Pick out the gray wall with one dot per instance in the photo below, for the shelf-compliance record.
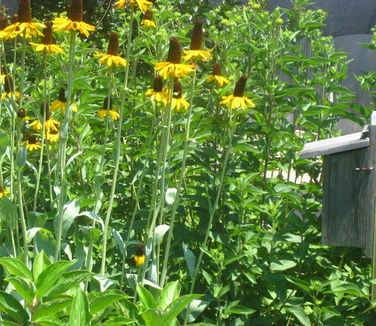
(11, 6)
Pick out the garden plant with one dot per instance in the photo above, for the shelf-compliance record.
(150, 170)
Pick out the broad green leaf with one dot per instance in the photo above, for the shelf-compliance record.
(67, 281)
(8, 323)
(51, 307)
(8, 211)
(93, 217)
(4, 142)
(170, 292)
(79, 315)
(241, 310)
(119, 321)
(102, 300)
(160, 231)
(119, 241)
(282, 265)
(11, 307)
(48, 321)
(30, 234)
(299, 313)
(49, 277)
(231, 259)
(154, 317)
(196, 307)
(41, 262)
(70, 212)
(177, 306)
(21, 156)
(190, 260)
(146, 298)
(16, 267)
(171, 196)
(24, 287)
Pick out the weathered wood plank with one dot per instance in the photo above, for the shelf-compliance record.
(334, 145)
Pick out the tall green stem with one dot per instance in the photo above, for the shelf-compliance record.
(179, 187)
(117, 152)
(63, 145)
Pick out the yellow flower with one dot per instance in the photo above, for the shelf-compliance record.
(3, 24)
(142, 4)
(112, 57)
(36, 125)
(139, 260)
(237, 99)
(157, 93)
(178, 101)
(51, 124)
(173, 67)
(139, 257)
(102, 113)
(9, 88)
(74, 21)
(195, 51)
(52, 136)
(61, 103)
(32, 143)
(148, 19)
(51, 48)
(217, 76)
(3, 192)
(2, 78)
(10, 95)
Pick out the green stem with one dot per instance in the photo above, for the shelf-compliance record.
(117, 152)
(63, 145)
(212, 210)
(179, 185)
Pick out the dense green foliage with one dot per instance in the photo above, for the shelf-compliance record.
(227, 185)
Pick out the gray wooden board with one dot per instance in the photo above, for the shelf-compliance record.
(334, 145)
(348, 200)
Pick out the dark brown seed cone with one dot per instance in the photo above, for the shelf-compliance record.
(42, 107)
(148, 15)
(157, 84)
(3, 23)
(48, 39)
(177, 91)
(32, 139)
(8, 84)
(21, 113)
(105, 104)
(174, 53)
(15, 19)
(24, 11)
(240, 86)
(75, 11)
(62, 97)
(197, 37)
(139, 250)
(217, 71)
(113, 45)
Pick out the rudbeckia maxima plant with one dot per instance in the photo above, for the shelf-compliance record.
(178, 100)
(112, 57)
(173, 66)
(196, 52)
(237, 99)
(148, 19)
(47, 44)
(9, 91)
(217, 75)
(107, 110)
(24, 26)
(50, 124)
(157, 93)
(32, 143)
(141, 4)
(61, 103)
(74, 21)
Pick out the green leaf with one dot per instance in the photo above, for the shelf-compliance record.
(170, 292)
(119, 321)
(241, 310)
(190, 260)
(79, 315)
(8, 211)
(4, 142)
(70, 212)
(282, 265)
(49, 277)
(24, 287)
(69, 280)
(41, 262)
(177, 306)
(16, 267)
(51, 307)
(196, 307)
(21, 156)
(102, 300)
(147, 300)
(10, 306)
(8, 323)
(231, 259)
(300, 314)
(48, 321)
(171, 196)
(160, 231)
(119, 241)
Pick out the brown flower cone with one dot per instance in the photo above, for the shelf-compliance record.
(217, 71)
(8, 85)
(174, 53)
(148, 15)
(24, 11)
(32, 139)
(47, 107)
(48, 39)
(105, 104)
(15, 19)
(62, 97)
(197, 36)
(240, 86)
(157, 84)
(75, 11)
(113, 45)
(21, 113)
(3, 23)
(140, 250)
(177, 91)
